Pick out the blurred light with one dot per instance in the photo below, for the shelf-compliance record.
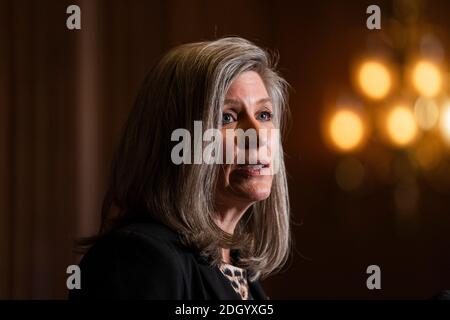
(346, 130)
(374, 79)
(426, 112)
(349, 174)
(431, 46)
(401, 126)
(427, 78)
(445, 122)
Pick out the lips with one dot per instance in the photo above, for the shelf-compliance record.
(251, 169)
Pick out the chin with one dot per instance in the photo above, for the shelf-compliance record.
(254, 193)
(259, 196)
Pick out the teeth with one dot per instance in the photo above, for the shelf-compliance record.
(253, 166)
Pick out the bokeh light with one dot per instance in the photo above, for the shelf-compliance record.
(401, 126)
(346, 130)
(445, 122)
(427, 78)
(374, 79)
(426, 112)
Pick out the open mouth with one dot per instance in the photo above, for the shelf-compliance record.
(258, 166)
(252, 169)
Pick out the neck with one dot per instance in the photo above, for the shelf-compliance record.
(226, 258)
(227, 219)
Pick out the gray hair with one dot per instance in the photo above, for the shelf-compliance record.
(190, 83)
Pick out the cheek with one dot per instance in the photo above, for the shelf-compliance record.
(228, 152)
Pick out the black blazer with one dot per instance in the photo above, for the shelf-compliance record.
(146, 260)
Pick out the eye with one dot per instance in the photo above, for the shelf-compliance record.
(227, 118)
(264, 116)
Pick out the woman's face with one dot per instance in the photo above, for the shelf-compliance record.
(247, 106)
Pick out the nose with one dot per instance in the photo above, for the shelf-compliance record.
(249, 122)
(251, 126)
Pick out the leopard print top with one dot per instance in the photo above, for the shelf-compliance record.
(238, 279)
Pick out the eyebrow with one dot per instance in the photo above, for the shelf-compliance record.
(238, 102)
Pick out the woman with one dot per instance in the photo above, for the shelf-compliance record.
(194, 230)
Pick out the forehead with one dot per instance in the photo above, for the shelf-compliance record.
(248, 85)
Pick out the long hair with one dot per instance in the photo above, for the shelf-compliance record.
(189, 83)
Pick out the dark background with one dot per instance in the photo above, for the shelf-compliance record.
(64, 96)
